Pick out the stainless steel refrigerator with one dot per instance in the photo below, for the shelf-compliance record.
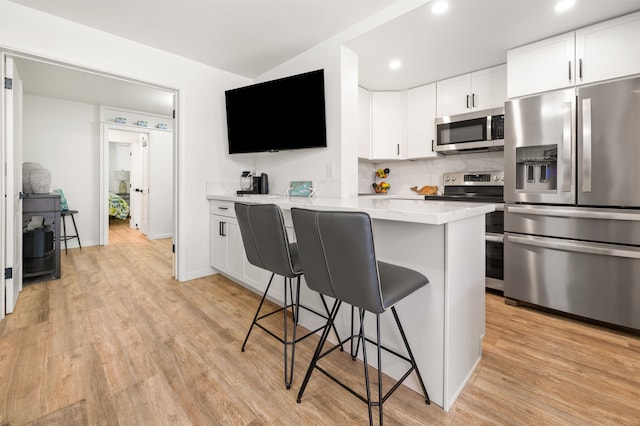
(572, 188)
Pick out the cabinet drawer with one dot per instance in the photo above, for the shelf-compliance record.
(223, 208)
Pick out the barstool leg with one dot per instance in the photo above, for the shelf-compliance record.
(379, 368)
(316, 355)
(257, 312)
(366, 367)
(295, 311)
(413, 360)
(75, 228)
(64, 233)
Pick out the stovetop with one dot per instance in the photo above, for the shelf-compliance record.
(481, 187)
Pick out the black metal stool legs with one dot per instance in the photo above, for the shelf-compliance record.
(255, 318)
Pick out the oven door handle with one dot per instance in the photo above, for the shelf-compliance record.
(580, 214)
(574, 246)
(494, 238)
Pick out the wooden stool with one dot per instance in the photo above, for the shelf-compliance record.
(65, 237)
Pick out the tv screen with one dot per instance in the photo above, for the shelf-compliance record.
(282, 114)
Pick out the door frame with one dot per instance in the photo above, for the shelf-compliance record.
(176, 145)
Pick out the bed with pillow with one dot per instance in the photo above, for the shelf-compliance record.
(118, 207)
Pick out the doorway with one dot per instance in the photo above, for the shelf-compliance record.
(74, 158)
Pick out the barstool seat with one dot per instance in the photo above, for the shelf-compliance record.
(65, 237)
(338, 256)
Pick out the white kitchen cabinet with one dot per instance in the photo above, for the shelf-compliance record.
(421, 115)
(599, 52)
(364, 123)
(608, 50)
(387, 125)
(541, 66)
(227, 250)
(476, 91)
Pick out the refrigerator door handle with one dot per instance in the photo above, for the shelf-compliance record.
(567, 139)
(580, 214)
(586, 145)
(574, 246)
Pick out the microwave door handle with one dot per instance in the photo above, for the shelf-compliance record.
(567, 139)
(586, 145)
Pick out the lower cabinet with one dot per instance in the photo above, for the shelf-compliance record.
(227, 250)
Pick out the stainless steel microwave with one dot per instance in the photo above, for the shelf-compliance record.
(477, 131)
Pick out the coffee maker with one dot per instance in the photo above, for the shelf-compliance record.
(253, 184)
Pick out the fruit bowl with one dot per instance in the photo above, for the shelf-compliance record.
(381, 188)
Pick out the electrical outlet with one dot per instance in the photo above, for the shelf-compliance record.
(330, 171)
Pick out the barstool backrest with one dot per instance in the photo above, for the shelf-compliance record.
(337, 252)
(265, 238)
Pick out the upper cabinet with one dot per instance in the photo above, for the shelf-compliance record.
(599, 52)
(421, 114)
(476, 91)
(397, 125)
(608, 50)
(387, 128)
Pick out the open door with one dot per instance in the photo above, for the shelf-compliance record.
(12, 184)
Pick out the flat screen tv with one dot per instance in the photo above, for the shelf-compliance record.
(287, 113)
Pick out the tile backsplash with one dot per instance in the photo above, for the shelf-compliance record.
(408, 173)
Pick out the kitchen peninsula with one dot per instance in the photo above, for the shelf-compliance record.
(445, 241)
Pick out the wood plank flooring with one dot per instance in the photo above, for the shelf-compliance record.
(117, 341)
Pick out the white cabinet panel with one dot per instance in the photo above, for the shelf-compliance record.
(489, 88)
(541, 66)
(476, 91)
(454, 95)
(387, 125)
(421, 115)
(608, 50)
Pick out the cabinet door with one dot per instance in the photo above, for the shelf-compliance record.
(387, 125)
(454, 95)
(364, 123)
(541, 66)
(218, 243)
(489, 88)
(235, 248)
(609, 49)
(421, 115)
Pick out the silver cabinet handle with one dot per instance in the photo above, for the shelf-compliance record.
(580, 214)
(574, 246)
(586, 145)
(567, 144)
(467, 101)
(569, 71)
(223, 208)
(580, 68)
(494, 238)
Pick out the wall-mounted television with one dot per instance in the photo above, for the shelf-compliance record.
(287, 113)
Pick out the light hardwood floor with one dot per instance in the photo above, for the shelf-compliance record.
(117, 341)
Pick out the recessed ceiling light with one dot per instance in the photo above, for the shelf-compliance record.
(395, 64)
(563, 5)
(439, 7)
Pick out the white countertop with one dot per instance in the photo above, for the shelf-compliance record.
(383, 207)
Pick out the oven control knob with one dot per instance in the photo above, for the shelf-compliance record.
(453, 179)
(496, 178)
(447, 179)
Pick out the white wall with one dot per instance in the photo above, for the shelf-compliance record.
(64, 137)
(200, 113)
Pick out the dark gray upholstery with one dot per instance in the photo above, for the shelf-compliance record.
(265, 239)
(338, 254)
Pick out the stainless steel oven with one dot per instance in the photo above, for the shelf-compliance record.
(482, 187)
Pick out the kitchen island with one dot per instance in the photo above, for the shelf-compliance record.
(444, 321)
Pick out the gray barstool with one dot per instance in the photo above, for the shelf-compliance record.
(267, 246)
(65, 237)
(338, 256)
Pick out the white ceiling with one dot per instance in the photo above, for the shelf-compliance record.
(251, 37)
